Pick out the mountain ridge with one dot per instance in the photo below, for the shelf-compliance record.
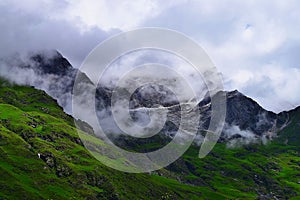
(243, 113)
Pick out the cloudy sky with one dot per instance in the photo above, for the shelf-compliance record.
(255, 44)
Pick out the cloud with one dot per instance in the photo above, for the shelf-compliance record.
(248, 41)
(118, 14)
(34, 26)
(179, 72)
(236, 137)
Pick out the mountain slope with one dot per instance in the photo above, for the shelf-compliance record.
(32, 123)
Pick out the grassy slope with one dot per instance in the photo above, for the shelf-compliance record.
(268, 171)
(31, 123)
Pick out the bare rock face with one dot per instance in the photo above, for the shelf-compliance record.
(243, 112)
(246, 113)
(56, 64)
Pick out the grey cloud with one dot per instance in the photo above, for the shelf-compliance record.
(23, 31)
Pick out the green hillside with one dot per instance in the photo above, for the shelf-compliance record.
(32, 124)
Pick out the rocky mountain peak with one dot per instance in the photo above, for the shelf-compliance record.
(234, 93)
(51, 63)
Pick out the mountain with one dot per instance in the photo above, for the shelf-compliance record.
(55, 75)
(42, 156)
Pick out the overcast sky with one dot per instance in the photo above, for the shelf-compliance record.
(255, 44)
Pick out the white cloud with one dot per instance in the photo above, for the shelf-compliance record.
(274, 86)
(112, 14)
(255, 44)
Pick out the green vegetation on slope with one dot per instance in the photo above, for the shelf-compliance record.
(32, 123)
